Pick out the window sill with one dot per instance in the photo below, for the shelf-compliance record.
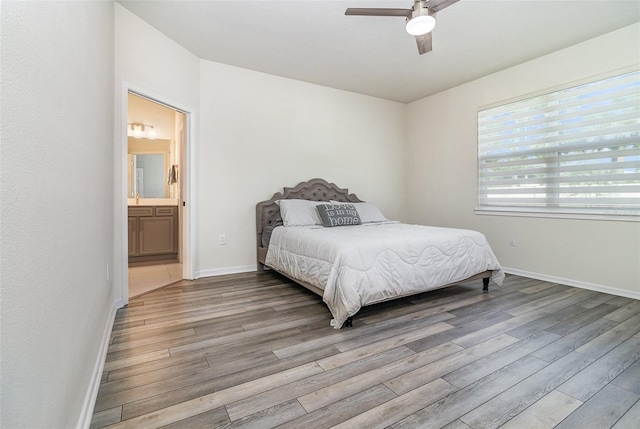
(557, 215)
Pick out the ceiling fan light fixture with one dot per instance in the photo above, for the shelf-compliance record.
(420, 23)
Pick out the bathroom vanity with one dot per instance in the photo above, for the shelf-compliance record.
(152, 201)
(153, 233)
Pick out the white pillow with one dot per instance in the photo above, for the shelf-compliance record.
(299, 212)
(368, 212)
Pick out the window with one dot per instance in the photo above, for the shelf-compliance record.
(575, 150)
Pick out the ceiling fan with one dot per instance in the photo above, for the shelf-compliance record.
(420, 18)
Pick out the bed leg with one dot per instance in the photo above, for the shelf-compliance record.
(485, 284)
(349, 322)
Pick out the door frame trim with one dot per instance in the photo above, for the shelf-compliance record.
(188, 224)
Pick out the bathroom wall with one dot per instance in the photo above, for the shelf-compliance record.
(144, 111)
(163, 120)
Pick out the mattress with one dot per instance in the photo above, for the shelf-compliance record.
(364, 264)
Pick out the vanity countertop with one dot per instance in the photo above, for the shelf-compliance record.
(153, 202)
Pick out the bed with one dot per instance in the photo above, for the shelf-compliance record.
(364, 258)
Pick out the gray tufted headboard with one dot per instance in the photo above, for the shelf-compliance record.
(312, 190)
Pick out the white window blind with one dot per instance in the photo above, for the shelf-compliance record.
(575, 150)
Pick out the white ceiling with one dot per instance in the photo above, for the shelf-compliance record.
(313, 41)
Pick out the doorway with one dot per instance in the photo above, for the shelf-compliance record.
(157, 186)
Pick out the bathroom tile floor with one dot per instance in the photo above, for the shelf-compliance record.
(150, 277)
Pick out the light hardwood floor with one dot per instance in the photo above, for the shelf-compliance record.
(256, 351)
(143, 279)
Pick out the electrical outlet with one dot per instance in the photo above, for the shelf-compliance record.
(512, 241)
(222, 240)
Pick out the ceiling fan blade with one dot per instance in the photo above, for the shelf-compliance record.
(424, 43)
(377, 12)
(438, 5)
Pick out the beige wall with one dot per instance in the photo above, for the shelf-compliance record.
(56, 209)
(260, 132)
(162, 118)
(441, 173)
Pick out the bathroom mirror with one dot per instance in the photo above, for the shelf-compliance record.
(148, 165)
(148, 172)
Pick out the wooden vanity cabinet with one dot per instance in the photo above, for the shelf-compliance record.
(153, 233)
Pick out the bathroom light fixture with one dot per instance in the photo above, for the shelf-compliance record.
(138, 130)
(420, 22)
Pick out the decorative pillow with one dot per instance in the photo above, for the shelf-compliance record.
(338, 214)
(299, 212)
(368, 212)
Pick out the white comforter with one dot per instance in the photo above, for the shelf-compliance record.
(365, 264)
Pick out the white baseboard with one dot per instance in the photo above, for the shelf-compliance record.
(575, 283)
(86, 414)
(224, 271)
